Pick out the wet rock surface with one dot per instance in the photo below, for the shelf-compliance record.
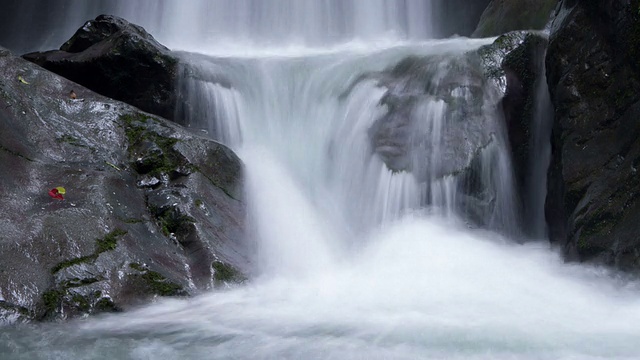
(434, 123)
(515, 62)
(444, 116)
(150, 209)
(593, 203)
(119, 60)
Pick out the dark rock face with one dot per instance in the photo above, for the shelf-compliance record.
(593, 203)
(119, 60)
(516, 62)
(150, 209)
(502, 16)
(462, 16)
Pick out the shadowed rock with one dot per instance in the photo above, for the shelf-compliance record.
(502, 16)
(119, 60)
(593, 202)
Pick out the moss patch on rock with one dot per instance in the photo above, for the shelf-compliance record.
(110, 241)
(66, 297)
(172, 222)
(150, 152)
(62, 302)
(155, 282)
(23, 313)
(225, 273)
(107, 243)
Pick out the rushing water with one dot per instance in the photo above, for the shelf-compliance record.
(354, 261)
(539, 158)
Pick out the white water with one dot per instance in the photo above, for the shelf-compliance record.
(216, 24)
(353, 262)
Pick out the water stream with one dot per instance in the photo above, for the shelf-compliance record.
(355, 261)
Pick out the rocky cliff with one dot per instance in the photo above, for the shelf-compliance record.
(593, 203)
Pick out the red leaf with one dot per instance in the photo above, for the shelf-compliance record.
(54, 193)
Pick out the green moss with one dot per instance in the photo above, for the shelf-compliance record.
(174, 223)
(62, 299)
(133, 131)
(156, 283)
(75, 261)
(162, 160)
(52, 300)
(160, 285)
(109, 242)
(106, 305)
(136, 266)
(19, 309)
(78, 282)
(199, 203)
(226, 273)
(80, 302)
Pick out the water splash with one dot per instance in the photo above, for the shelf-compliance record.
(423, 287)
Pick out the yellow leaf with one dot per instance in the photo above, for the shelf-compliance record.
(22, 80)
(113, 166)
(61, 190)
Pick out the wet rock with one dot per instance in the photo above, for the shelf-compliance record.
(438, 121)
(434, 124)
(119, 60)
(106, 247)
(12, 314)
(502, 16)
(444, 119)
(593, 202)
(515, 61)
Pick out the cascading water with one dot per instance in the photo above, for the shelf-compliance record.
(540, 158)
(366, 193)
(216, 24)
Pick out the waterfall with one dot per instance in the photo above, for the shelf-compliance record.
(198, 24)
(317, 113)
(540, 157)
(380, 200)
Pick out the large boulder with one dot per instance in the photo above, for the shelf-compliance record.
(593, 203)
(434, 125)
(444, 119)
(150, 209)
(502, 16)
(119, 60)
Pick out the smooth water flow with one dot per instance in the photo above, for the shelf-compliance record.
(216, 24)
(540, 158)
(356, 260)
